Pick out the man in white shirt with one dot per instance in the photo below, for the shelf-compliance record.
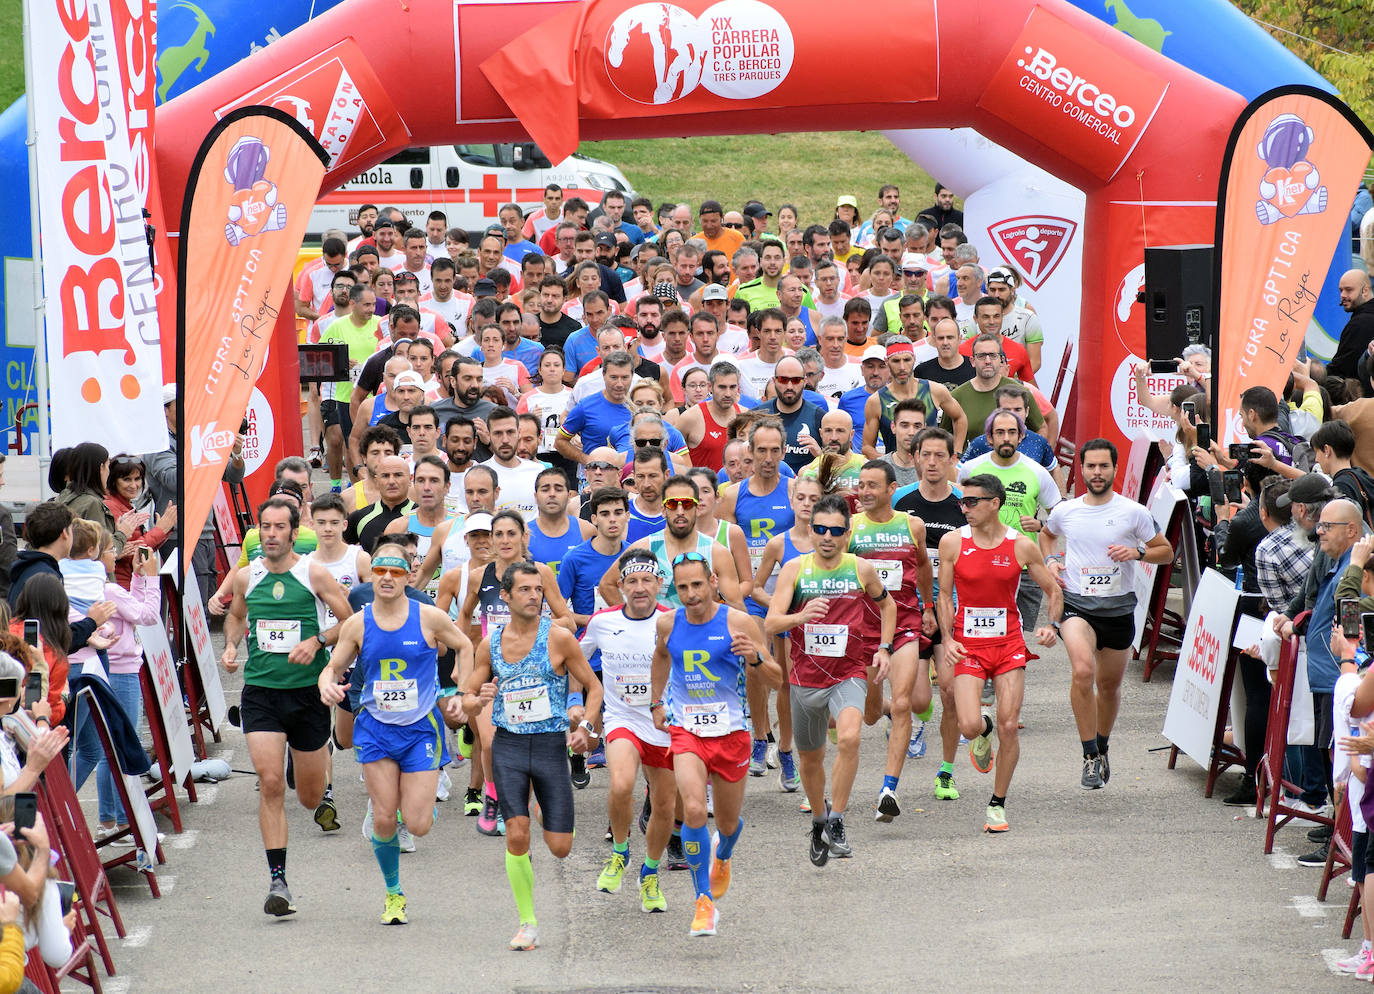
(515, 475)
(841, 373)
(416, 249)
(384, 237)
(451, 305)
(756, 370)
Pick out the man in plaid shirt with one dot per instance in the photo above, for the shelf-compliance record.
(1283, 557)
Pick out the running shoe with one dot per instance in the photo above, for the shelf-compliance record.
(820, 844)
(597, 759)
(804, 807)
(916, 745)
(612, 874)
(1365, 971)
(465, 742)
(758, 759)
(1317, 857)
(988, 695)
(787, 772)
(610, 836)
(327, 815)
(887, 807)
(525, 939)
(944, 787)
(500, 824)
(673, 856)
(720, 870)
(650, 895)
(278, 901)
(441, 792)
(839, 843)
(772, 757)
(1352, 963)
(395, 911)
(706, 917)
(645, 812)
(1092, 776)
(1105, 769)
(486, 821)
(580, 776)
(980, 752)
(472, 802)
(404, 838)
(710, 802)
(997, 819)
(316, 456)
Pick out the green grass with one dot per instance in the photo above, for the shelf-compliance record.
(809, 170)
(11, 53)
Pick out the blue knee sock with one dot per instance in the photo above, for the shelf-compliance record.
(388, 853)
(696, 844)
(727, 842)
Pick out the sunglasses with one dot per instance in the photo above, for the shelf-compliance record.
(655, 442)
(600, 464)
(913, 272)
(967, 502)
(679, 503)
(688, 557)
(737, 227)
(790, 381)
(393, 571)
(833, 530)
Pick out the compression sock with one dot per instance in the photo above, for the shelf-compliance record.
(388, 853)
(997, 802)
(520, 872)
(276, 863)
(889, 783)
(947, 768)
(1090, 748)
(1102, 743)
(623, 848)
(727, 842)
(650, 866)
(928, 712)
(696, 845)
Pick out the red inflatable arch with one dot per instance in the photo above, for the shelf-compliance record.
(1142, 137)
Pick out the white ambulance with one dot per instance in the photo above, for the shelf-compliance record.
(469, 183)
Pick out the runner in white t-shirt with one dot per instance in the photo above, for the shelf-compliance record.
(1105, 534)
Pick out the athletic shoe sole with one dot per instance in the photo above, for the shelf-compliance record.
(327, 816)
(888, 808)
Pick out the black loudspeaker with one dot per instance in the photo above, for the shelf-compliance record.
(1178, 299)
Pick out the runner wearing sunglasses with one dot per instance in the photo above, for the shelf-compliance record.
(398, 733)
(701, 653)
(827, 600)
(983, 636)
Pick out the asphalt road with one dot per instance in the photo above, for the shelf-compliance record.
(1142, 885)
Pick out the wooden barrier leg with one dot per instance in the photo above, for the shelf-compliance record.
(1223, 756)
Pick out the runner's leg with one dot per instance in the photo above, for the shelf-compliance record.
(848, 725)
(1080, 641)
(1010, 688)
(902, 676)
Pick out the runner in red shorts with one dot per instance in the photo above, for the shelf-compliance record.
(700, 657)
(625, 635)
(983, 560)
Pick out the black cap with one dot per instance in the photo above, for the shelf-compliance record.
(605, 238)
(290, 487)
(484, 288)
(756, 210)
(710, 207)
(383, 222)
(1313, 488)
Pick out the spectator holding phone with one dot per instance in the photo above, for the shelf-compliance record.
(47, 925)
(21, 883)
(18, 775)
(140, 605)
(127, 493)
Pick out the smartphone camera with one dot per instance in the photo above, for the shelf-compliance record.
(1231, 485)
(1350, 617)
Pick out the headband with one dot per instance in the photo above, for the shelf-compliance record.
(394, 562)
(641, 566)
(900, 348)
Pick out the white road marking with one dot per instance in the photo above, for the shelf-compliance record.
(1307, 906)
(138, 936)
(1332, 957)
(185, 840)
(1282, 859)
(115, 985)
(206, 793)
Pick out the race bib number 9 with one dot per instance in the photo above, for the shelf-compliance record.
(985, 622)
(706, 720)
(889, 571)
(527, 705)
(633, 689)
(278, 636)
(1101, 581)
(396, 695)
(826, 640)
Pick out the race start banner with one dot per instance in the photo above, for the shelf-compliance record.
(248, 199)
(1292, 160)
(92, 83)
(697, 57)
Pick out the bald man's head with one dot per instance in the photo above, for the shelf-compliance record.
(1338, 527)
(1355, 289)
(837, 432)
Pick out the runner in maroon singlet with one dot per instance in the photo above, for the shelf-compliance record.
(983, 637)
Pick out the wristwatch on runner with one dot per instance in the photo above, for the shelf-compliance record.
(1140, 551)
(587, 727)
(886, 647)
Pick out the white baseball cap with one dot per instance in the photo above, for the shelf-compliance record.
(409, 378)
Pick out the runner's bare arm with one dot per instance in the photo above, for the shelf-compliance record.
(949, 551)
(235, 623)
(328, 590)
(576, 666)
(558, 606)
(779, 620)
(661, 665)
(958, 422)
(727, 579)
(434, 558)
(1050, 551)
(1028, 555)
(887, 610)
(739, 552)
(470, 603)
(479, 690)
(925, 576)
(746, 643)
(332, 691)
(772, 552)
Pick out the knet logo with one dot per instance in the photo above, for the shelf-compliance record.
(1045, 67)
(207, 441)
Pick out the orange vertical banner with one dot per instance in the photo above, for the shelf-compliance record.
(1292, 162)
(249, 196)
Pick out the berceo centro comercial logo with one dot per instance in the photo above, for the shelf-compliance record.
(658, 53)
